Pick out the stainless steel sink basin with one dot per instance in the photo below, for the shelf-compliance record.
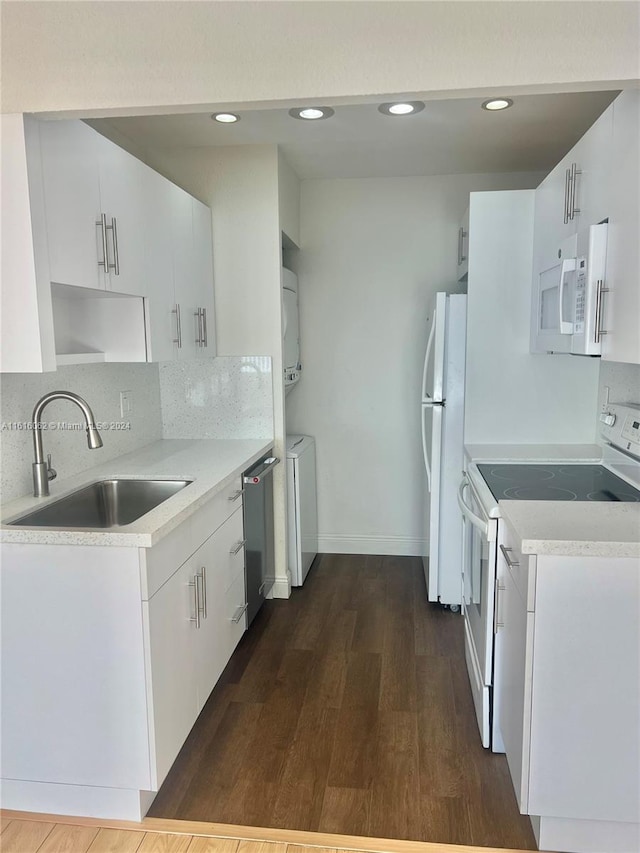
(107, 503)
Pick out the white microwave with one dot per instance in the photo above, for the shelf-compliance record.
(567, 309)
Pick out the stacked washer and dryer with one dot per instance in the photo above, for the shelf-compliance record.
(302, 511)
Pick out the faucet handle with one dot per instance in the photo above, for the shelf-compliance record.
(51, 472)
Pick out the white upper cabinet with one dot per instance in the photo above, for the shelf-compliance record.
(622, 302)
(71, 180)
(99, 222)
(597, 181)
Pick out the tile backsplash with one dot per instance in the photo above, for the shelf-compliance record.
(100, 385)
(227, 397)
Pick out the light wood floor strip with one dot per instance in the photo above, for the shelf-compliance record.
(24, 836)
(111, 838)
(116, 841)
(69, 839)
(213, 845)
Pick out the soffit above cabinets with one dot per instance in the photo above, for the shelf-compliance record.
(447, 137)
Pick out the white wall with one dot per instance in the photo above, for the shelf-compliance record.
(372, 254)
(97, 55)
(100, 385)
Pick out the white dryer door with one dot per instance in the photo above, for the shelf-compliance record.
(291, 333)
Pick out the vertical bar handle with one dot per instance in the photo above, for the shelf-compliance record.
(178, 339)
(198, 317)
(116, 256)
(459, 245)
(598, 332)
(105, 251)
(572, 201)
(205, 337)
(196, 601)
(203, 599)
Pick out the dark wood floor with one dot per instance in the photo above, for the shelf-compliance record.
(347, 709)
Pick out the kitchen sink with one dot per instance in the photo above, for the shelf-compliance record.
(104, 504)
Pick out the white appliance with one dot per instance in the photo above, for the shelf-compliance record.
(442, 440)
(567, 312)
(616, 478)
(291, 328)
(302, 508)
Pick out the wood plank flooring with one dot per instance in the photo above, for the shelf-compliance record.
(347, 709)
(33, 832)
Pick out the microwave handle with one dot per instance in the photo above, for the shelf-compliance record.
(478, 522)
(565, 327)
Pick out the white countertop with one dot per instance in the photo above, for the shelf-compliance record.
(211, 463)
(570, 528)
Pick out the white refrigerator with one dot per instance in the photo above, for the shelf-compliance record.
(442, 446)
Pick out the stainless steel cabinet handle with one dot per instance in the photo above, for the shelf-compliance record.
(203, 580)
(196, 600)
(237, 616)
(205, 337)
(198, 316)
(496, 604)
(598, 332)
(459, 246)
(513, 564)
(572, 201)
(116, 256)
(238, 547)
(102, 224)
(567, 179)
(178, 339)
(235, 495)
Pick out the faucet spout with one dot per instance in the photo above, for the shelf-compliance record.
(42, 472)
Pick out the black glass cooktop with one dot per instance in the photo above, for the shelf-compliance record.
(556, 483)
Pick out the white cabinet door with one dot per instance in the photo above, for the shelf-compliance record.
(171, 615)
(157, 235)
(203, 272)
(590, 196)
(124, 203)
(70, 155)
(184, 273)
(219, 563)
(512, 676)
(622, 302)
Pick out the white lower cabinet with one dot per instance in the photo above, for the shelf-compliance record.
(108, 656)
(567, 664)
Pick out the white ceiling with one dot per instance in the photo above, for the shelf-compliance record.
(447, 137)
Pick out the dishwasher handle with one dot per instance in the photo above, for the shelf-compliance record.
(255, 476)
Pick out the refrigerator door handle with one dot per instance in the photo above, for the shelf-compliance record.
(427, 359)
(425, 451)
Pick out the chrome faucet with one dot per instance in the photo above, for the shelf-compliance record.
(42, 471)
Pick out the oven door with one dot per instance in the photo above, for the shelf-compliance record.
(479, 578)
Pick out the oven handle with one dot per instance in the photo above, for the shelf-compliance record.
(468, 513)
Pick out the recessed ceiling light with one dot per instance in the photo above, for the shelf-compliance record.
(311, 113)
(497, 104)
(225, 118)
(401, 108)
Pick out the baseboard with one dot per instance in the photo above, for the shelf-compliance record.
(401, 546)
(279, 587)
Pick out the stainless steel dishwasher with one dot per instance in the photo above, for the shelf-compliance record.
(258, 532)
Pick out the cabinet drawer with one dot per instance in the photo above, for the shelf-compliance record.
(520, 566)
(235, 601)
(214, 513)
(161, 561)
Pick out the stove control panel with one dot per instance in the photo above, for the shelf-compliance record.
(621, 427)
